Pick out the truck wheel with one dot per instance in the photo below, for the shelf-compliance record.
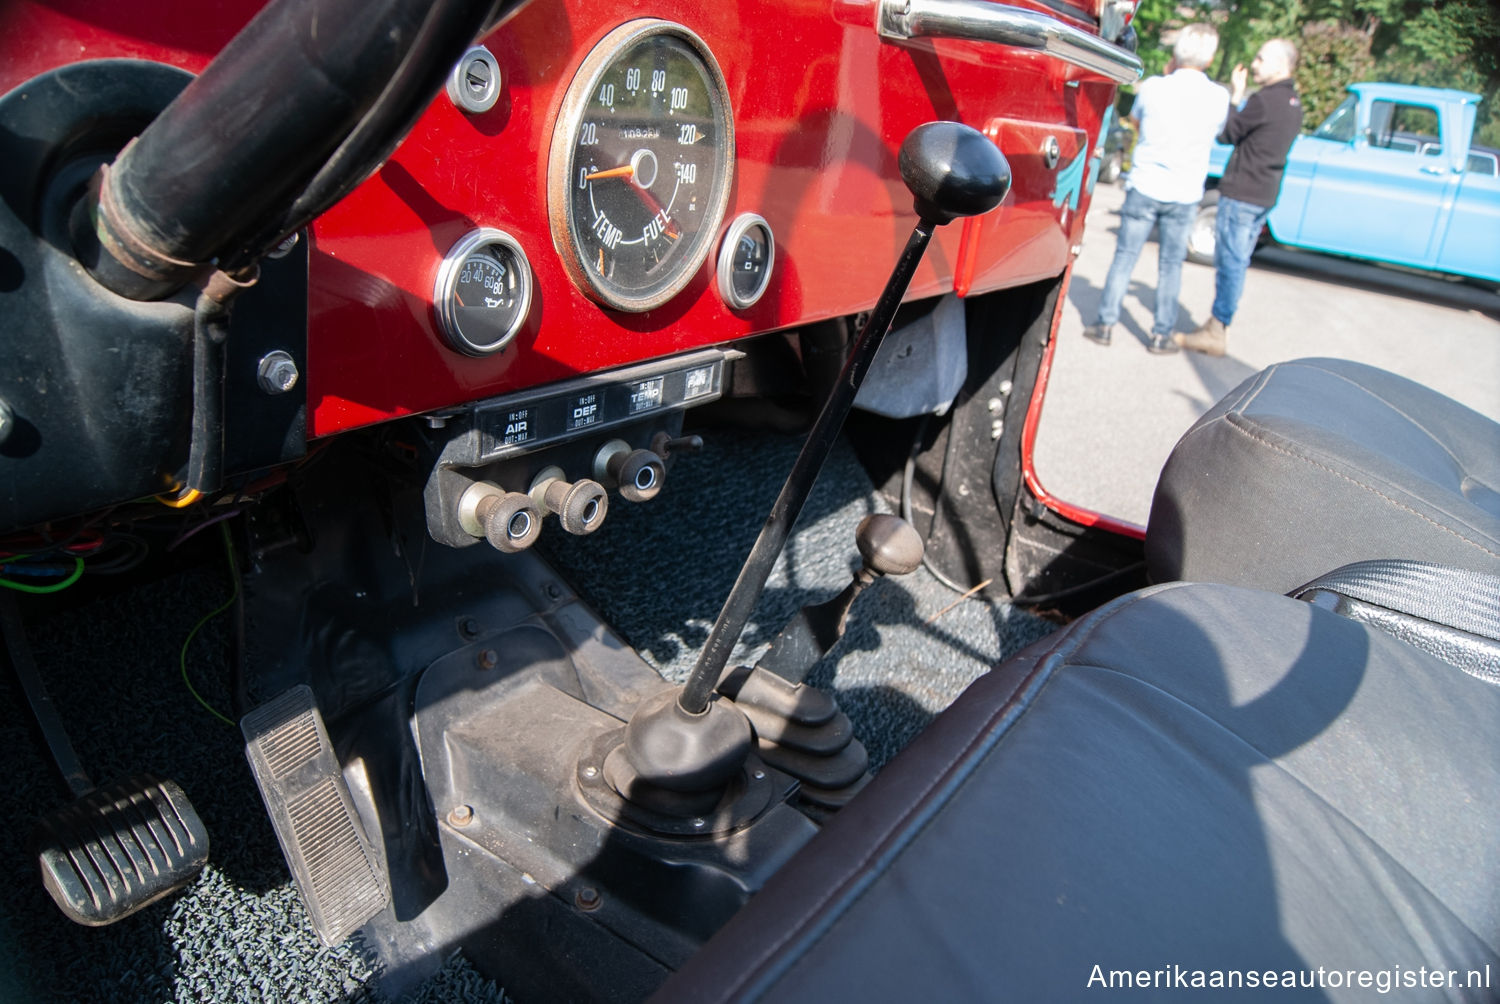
(1200, 245)
(1109, 170)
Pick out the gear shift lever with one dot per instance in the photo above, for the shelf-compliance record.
(688, 742)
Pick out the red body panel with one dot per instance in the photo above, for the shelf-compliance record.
(817, 133)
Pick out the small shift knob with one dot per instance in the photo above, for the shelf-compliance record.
(953, 171)
(888, 544)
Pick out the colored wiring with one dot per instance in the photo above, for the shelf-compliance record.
(234, 575)
(50, 587)
(181, 501)
(198, 527)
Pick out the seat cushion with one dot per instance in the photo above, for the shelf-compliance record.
(1317, 463)
(1193, 780)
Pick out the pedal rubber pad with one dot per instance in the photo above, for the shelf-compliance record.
(336, 869)
(120, 848)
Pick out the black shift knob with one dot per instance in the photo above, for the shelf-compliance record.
(953, 171)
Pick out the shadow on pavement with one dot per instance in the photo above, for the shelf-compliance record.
(1429, 288)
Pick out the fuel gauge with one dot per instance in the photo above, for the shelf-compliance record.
(483, 292)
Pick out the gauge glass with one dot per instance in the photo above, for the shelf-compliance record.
(483, 292)
(640, 170)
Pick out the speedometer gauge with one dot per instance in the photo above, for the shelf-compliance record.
(641, 165)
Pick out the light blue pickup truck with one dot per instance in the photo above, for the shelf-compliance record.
(1391, 176)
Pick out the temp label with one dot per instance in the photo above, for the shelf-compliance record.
(519, 427)
(645, 395)
(583, 411)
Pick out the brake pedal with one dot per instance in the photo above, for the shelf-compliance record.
(120, 848)
(330, 857)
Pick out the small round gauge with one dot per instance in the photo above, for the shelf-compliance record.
(641, 165)
(483, 292)
(745, 260)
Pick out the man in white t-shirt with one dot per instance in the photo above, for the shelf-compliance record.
(1178, 116)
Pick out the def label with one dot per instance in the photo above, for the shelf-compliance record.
(583, 411)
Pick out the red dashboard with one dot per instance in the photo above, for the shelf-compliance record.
(820, 104)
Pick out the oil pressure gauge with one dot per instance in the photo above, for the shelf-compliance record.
(641, 164)
(483, 292)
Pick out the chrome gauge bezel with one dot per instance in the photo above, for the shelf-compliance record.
(444, 302)
(738, 227)
(565, 144)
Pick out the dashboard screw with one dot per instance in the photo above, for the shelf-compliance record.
(277, 372)
(588, 898)
(488, 658)
(461, 815)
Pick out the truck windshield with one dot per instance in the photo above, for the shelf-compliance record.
(1339, 125)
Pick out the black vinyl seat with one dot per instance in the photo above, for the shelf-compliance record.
(1192, 783)
(1317, 463)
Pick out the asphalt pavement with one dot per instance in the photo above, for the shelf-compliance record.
(1112, 414)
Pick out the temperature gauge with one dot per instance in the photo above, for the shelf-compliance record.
(483, 292)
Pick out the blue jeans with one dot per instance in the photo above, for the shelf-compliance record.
(1137, 217)
(1236, 232)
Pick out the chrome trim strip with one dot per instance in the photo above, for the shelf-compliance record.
(992, 22)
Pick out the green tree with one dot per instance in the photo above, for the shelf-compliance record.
(1439, 43)
(1152, 17)
(1334, 54)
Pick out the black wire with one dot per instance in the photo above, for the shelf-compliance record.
(907, 476)
(133, 552)
(906, 514)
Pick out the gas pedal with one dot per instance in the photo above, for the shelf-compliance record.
(332, 861)
(120, 848)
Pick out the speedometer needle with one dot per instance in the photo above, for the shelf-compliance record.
(628, 171)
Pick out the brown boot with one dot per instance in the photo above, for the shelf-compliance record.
(1209, 339)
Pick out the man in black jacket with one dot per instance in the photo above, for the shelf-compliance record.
(1262, 131)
